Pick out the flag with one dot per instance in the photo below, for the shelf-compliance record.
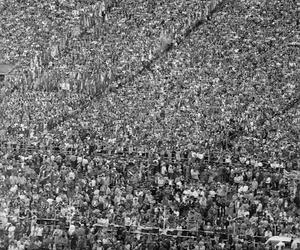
(91, 87)
(62, 43)
(297, 195)
(86, 84)
(178, 155)
(78, 76)
(36, 61)
(31, 64)
(206, 12)
(109, 75)
(86, 21)
(103, 78)
(65, 85)
(92, 83)
(54, 50)
(81, 20)
(103, 7)
(165, 41)
(37, 83)
(76, 31)
(29, 77)
(81, 85)
(212, 5)
(190, 20)
(99, 85)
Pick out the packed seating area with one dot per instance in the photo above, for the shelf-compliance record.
(149, 124)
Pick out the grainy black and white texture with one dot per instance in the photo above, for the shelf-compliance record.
(149, 124)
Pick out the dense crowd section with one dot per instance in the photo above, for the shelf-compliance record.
(194, 145)
(90, 42)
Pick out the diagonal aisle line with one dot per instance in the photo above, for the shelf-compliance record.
(219, 6)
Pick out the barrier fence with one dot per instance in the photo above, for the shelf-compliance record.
(195, 233)
(25, 148)
(155, 231)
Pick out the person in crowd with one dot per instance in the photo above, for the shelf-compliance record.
(165, 169)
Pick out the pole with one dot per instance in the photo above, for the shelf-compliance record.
(164, 226)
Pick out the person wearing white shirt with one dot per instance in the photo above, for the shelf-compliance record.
(50, 201)
(177, 197)
(295, 245)
(127, 221)
(187, 192)
(39, 232)
(259, 208)
(135, 201)
(160, 181)
(283, 215)
(290, 219)
(11, 231)
(21, 245)
(72, 229)
(93, 183)
(201, 192)
(163, 170)
(103, 221)
(171, 169)
(195, 194)
(280, 246)
(179, 184)
(13, 246)
(72, 175)
(184, 198)
(254, 185)
(201, 245)
(268, 182)
(176, 212)
(34, 229)
(245, 188)
(195, 174)
(212, 193)
(58, 199)
(13, 179)
(268, 234)
(203, 201)
(222, 245)
(13, 189)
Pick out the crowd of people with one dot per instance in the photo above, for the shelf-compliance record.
(194, 147)
(79, 45)
(68, 187)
